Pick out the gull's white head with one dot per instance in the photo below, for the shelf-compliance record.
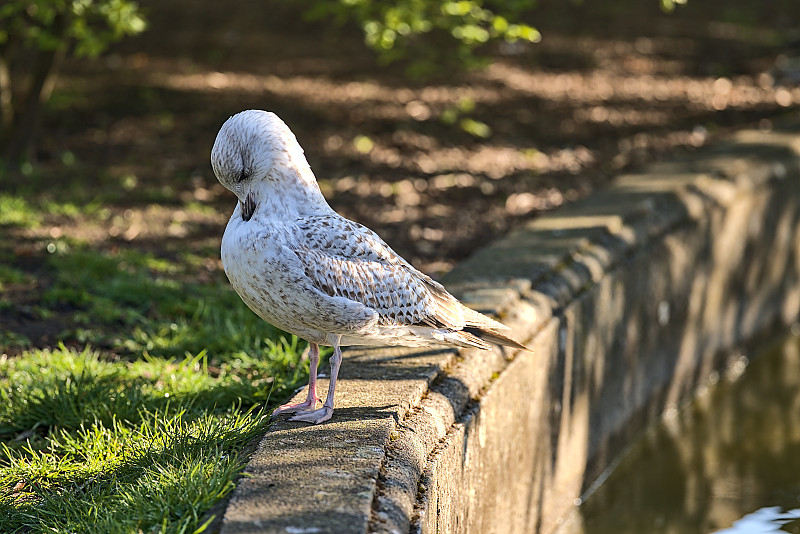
(258, 158)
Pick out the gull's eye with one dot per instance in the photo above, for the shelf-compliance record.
(246, 171)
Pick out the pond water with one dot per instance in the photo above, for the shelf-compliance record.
(727, 463)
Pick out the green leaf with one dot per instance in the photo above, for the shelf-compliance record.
(475, 128)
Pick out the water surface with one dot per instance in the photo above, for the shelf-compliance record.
(727, 463)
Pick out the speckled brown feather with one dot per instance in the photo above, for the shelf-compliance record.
(345, 259)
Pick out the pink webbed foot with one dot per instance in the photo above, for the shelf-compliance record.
(315, 416)
(324, 413)
(309, 404)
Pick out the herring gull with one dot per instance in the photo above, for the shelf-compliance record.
(309, 271)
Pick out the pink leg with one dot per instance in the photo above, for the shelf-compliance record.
(324, 413)
(311, 399)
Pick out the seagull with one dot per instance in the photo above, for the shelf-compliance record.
(309, 271)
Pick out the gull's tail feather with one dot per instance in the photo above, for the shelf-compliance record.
(465, 339)
(487, 328)
(495, 337)
(458, 338)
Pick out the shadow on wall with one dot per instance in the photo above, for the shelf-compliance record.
(657, 278)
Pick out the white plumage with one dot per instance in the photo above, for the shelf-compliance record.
(305, 269)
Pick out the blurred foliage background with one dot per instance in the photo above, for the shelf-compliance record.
(440, 124)
(35, 35)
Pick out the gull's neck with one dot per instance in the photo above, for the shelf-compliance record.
(289, 190)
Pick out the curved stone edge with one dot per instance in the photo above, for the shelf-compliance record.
(629, 298)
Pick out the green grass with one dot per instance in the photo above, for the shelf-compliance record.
(135, 447)
(144, 432)
(148, 445)
(15, 211)
(127, 446)
(10, 275)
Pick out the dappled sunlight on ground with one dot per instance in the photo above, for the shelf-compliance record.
(458, 159)
(439, 167)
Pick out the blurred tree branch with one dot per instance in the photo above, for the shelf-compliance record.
(431, 33)
(35, 36)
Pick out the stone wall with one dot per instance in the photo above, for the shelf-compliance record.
(630, 299)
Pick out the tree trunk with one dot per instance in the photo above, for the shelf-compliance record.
(25, 121)
(6, 96)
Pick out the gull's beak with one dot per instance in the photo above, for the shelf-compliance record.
(248, 206)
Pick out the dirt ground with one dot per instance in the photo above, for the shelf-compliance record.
(612, 86)
(609, 88)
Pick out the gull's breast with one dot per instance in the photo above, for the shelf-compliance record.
(259, 263)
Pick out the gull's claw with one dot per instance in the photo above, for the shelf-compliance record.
(315, 416)
(305, 406)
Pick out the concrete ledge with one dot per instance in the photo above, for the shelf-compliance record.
(630, 299)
